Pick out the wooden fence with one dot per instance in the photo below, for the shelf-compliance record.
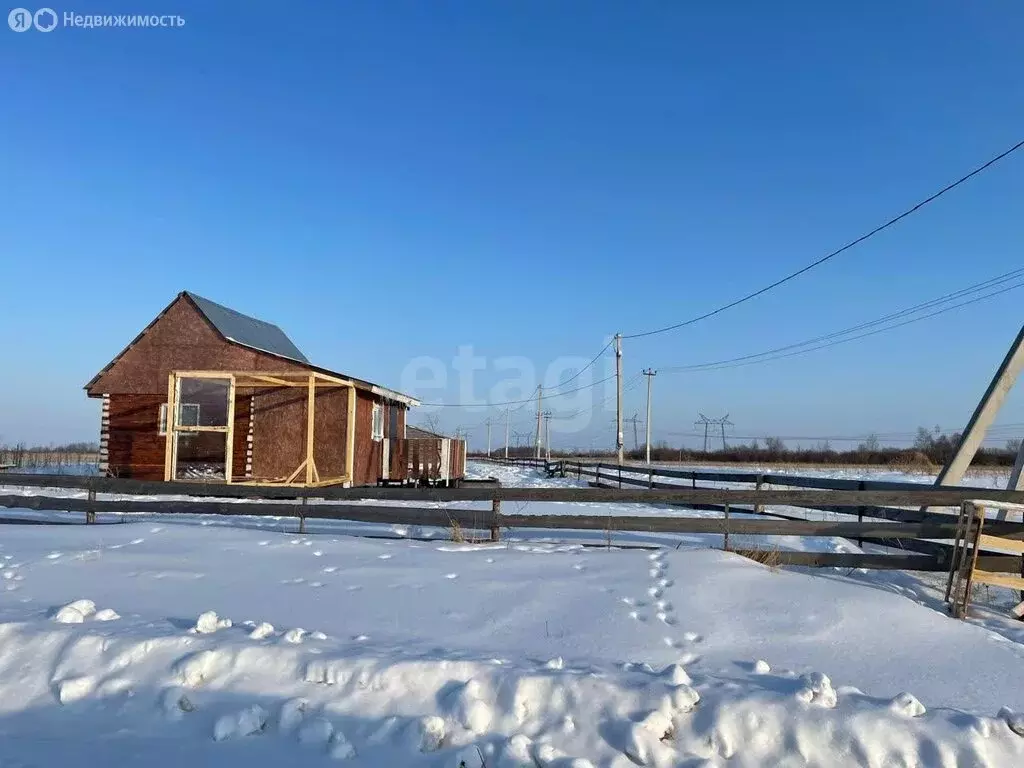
(338, 504)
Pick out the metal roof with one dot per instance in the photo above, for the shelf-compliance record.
(242, 329)
(418, 433)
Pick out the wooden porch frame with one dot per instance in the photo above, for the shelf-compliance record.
(311, 381)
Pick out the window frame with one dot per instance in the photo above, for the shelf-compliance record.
(161, 419)
(377, 423)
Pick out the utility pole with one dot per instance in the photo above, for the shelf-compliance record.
(618, 397)
(540, 397)
(488, 437)
(508, 421)
(650, 374)
(547, 434)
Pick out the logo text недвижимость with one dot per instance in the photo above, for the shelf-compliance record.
(47, 20)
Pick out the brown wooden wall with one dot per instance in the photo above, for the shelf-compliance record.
(243, 407)
(135, 447)
(182, 339)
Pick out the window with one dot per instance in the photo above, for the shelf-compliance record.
(377, 423)
(188, 416)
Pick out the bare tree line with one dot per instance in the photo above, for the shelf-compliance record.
(23, 456)
(931, 448)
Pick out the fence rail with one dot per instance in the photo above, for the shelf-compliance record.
(914, 531)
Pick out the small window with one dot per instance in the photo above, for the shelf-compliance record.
(188, 416)
(377, 424)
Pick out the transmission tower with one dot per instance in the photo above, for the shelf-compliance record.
(636, 437)
(724, 421)
(706, 422)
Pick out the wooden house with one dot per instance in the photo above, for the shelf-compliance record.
(207, 393)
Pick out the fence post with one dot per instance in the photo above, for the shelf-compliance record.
(90, 512)
(302, 515)
(759, 508)
(495, 519)
(620, 477)
(597, 473)
(650, 479)
(860, 514)
(725, 544)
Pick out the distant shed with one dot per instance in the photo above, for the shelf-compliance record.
(246, 406)
(430, 456)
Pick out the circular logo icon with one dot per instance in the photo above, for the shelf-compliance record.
(20, 20)
(45, 20)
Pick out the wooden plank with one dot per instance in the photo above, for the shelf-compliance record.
(998, 579)
(253, 379)
(295, 474)
(229, 439)
(169, 447)
(696, 525)
(898, 562)
(681, 495)
(350, 437)
(1000, 542)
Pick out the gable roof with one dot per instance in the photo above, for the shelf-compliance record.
(246, 330)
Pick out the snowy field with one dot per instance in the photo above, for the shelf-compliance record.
(328, 647)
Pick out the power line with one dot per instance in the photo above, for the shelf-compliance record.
(834, 338)
(516, 402)
(588, 365)
(834, 253)
(524, 402)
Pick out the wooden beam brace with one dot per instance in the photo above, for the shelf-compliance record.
(350, 437)
(293, 475)
(169, 445)
(229, 438)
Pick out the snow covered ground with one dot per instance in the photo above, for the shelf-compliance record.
(327, 647)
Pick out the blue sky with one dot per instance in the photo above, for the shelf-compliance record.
(390, 180)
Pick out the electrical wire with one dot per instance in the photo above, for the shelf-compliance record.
(834, 253)
(516, 402)
(834, 339)
(588, 365)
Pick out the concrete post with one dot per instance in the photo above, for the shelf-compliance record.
(984, 414)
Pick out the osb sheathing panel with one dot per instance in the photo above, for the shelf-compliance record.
(330, 438)
(279, 432)
(368, 452)
(180, 340)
